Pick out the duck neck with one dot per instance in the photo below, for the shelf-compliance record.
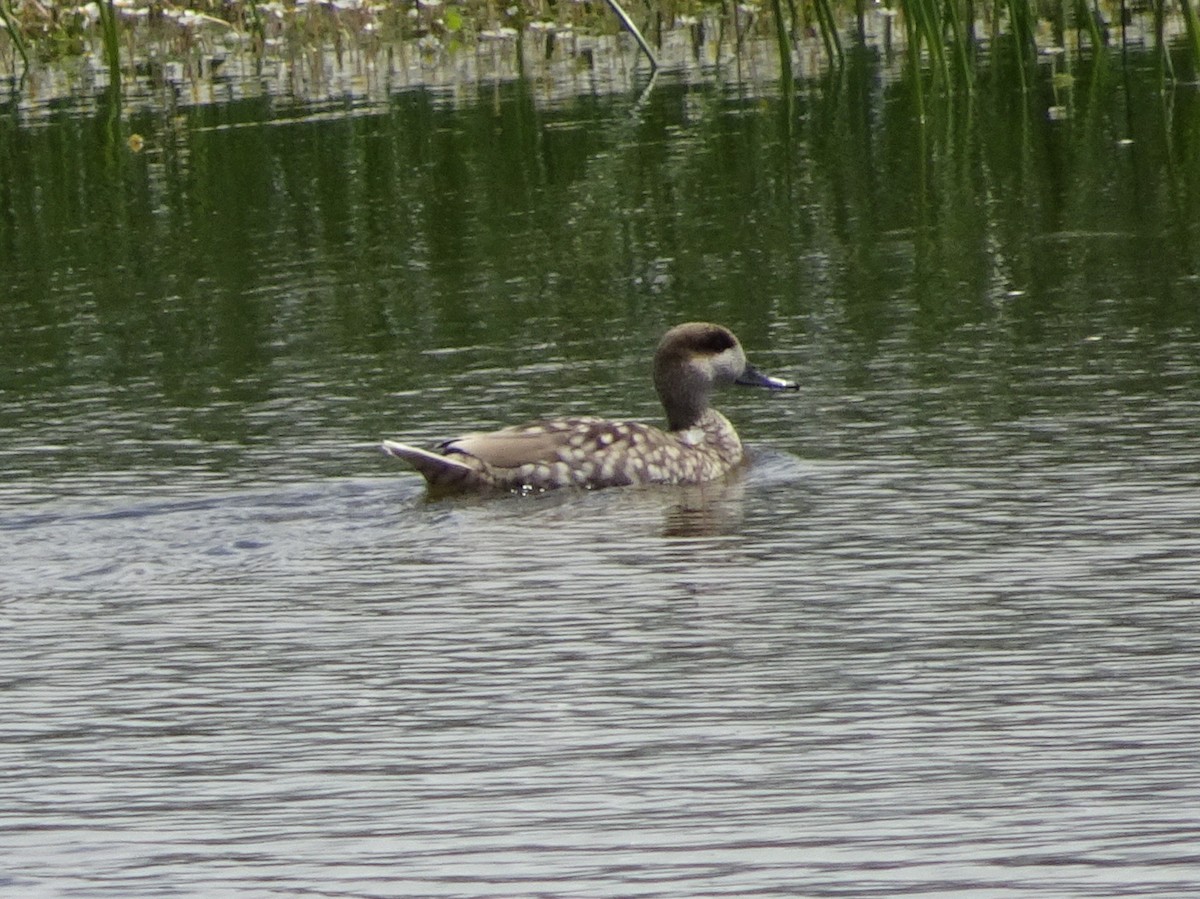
(683, 390)
(684, 412)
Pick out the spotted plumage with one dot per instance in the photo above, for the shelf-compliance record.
(699, 445)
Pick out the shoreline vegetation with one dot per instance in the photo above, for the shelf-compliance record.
(56, 48)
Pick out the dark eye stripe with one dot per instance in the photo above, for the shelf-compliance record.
(716, 340)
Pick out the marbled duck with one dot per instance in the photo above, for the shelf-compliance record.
(699, 445)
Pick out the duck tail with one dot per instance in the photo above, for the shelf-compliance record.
(441, 472)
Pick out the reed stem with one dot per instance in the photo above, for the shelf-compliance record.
(632, 28)
(1192, 24)
(14, 34)
(112, 44)
(785, 48)
(829, 31)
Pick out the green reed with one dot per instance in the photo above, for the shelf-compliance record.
(1090, 17)
(110, 40)
(1192, 23)
(14, 31)
(827, 25)
(940, 34)
(785, 47)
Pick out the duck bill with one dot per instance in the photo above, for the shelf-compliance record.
(752, 377)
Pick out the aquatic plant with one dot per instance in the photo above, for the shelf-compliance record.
(1192, 22)
(108, 33)
(14, 31)
(944, 37)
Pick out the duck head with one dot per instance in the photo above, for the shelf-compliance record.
(692, 360)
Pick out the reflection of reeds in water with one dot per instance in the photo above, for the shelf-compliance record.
(453, 42)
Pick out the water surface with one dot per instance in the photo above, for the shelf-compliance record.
(940, 638)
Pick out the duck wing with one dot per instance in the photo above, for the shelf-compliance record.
(537, 443)
(581, 452)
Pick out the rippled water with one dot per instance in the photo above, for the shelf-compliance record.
(940, 638)
(879, 676)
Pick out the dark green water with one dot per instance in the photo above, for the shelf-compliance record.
(941, 637)
(262, 274)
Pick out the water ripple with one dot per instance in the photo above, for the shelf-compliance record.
(885, 680)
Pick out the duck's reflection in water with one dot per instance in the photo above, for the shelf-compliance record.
(711, 509)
